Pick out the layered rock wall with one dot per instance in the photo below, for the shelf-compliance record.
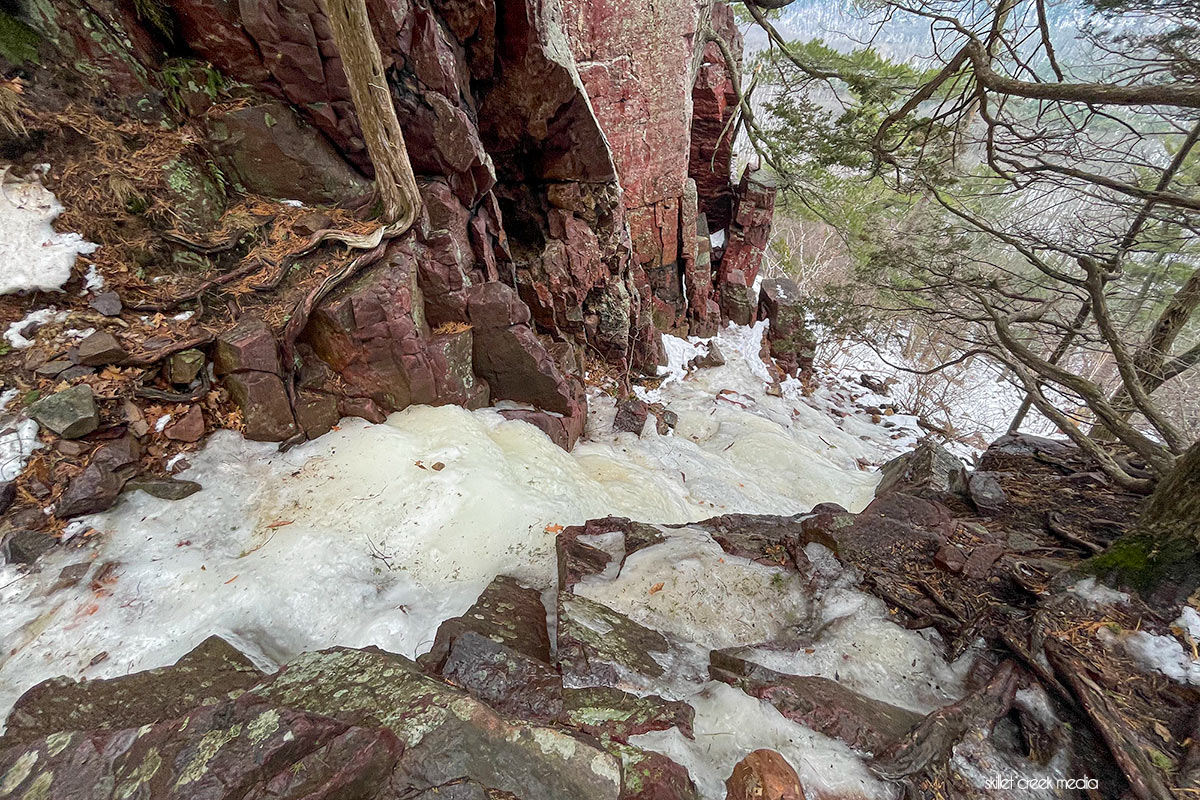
(554, 147)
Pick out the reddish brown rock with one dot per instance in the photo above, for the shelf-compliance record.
(248, 345)
(499, 651)
(631, 416)
(187, 427)
(101, 348)
(266, 410)
(764, 775)
(750, 230)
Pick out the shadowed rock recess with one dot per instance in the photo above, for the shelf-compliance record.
(551, 143)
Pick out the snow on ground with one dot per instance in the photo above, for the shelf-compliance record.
(33, 256)
(1166, 654)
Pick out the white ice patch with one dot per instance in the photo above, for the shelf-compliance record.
(737, 447)
(1164, 654)
(33, 256)
(93, 281)
(41, 316)
(729, 725)
(1189, 620)
(1096, 593)
(17, 441)
(688, 586)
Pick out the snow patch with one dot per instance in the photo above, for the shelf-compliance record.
(1163, 654)
(1096, 593)
(42, 316)
(33, 256)
(17, 442)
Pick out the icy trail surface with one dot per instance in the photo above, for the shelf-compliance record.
(375, 534)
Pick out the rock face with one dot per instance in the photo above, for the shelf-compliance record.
(792, 345)
(746, 242)
(569, 150)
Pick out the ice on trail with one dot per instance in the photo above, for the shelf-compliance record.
(33, 256)
(376, 534)
(729, 725)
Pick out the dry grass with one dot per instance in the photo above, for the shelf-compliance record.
(12, 108)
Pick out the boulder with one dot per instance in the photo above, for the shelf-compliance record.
(70, 413)
(818, 703)
(227, 750)
(792, 344)
(212, 672)
(622, 655)
(737, 299)
(928, 471)
(499, 651)
(266, 149)
(448, 735)
(631, 416)
(247, 346)
(101, 348)
(266, 410)
(610, 713)
(763, 775)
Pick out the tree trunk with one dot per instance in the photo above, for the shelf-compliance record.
(1160, 557)
(1151, 357)
(394, 180)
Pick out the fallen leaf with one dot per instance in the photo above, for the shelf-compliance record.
(438, 466)
(280, 524)
(656, 588)
(231, 580)
(1162, 731)
(554, 528)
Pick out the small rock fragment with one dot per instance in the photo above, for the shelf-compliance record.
(70, 413)
(183, 367)
(713, 357)
(985, 491)
(763, 775)
(101, 348)
(189, 427)
(164, 488)
(52, 368)
(631, 416)
(107, 303)
(91, 491)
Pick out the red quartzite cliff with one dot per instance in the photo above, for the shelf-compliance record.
(572, 157)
